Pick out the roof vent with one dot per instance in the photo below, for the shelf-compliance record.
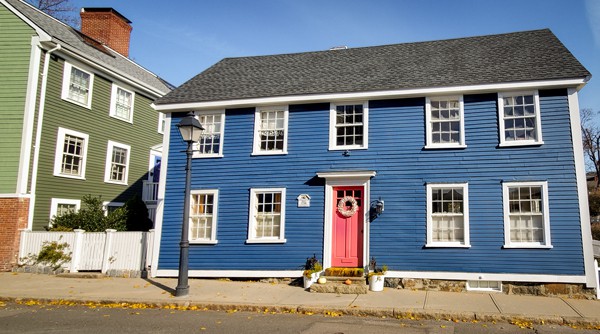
(342, 47)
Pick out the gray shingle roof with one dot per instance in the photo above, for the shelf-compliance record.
(513, 57)
(66, 35)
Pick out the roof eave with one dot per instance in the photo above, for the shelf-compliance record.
(577, 83)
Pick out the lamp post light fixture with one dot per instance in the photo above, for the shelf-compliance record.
(190, 130)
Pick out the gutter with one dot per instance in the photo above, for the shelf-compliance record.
(38, 134)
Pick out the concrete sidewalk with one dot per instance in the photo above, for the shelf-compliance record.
(254, 296)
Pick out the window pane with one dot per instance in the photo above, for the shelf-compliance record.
(210, 139)
(72, 155)
(519, 118)
(349, 125)
(201, 216)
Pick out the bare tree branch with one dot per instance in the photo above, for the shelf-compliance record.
(591, 141)
(62, 10)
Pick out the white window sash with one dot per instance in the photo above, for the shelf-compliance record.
(55, 202)
(546, 243)
(214, 217)
(538, 119)
(220, 131)
(115, 103)
(256, 147)
(59, 153)
(333, 127)
(430, 243)
(252, 223)
(67, 83)
(429, 123)
(110, 164)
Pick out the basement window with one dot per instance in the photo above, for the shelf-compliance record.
(486, 286)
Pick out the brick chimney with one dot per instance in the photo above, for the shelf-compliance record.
(108, 26)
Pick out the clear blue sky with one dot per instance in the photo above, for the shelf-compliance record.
(181, 38)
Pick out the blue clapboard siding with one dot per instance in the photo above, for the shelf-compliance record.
(397, 238)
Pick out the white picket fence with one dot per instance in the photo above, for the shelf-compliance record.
(95, 251)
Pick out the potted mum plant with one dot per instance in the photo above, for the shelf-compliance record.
(312, 268)
(376, 276)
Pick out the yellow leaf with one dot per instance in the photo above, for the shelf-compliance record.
(202, 328)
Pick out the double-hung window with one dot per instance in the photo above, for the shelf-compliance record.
(121, 104)
(61, 206)
(70, 154)
(117, 163)
(444, 118)
(203, 216)
(270, 130)
(448, 215)
(211, 140)
(267, 216)
(77, 85)
(348, 126)
(526, 216)
(519, 115)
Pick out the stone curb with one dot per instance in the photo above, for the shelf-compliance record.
(402, 314)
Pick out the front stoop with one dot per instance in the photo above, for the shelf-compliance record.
(336, 284)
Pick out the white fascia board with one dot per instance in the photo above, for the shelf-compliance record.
(44, 37)
(231, 273)
(359, 96)
(458, 276)
(68, 51)
(347, 175)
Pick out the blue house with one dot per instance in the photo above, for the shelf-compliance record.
(456, 159)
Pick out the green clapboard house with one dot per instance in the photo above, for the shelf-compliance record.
(76, 118)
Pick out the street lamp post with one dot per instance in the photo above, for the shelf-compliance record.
(190, 130)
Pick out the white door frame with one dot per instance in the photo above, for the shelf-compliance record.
(347, 178)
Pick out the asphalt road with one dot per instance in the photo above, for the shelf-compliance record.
(40, 318)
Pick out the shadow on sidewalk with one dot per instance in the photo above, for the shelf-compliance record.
(160, 286)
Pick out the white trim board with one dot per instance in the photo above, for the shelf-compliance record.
(458, 276)
(361, 96)
(584, 213)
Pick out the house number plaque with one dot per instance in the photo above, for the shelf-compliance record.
(303, 201)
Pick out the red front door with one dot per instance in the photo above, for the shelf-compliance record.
(347, 234)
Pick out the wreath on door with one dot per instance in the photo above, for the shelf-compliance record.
(342, 206)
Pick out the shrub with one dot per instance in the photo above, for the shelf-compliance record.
(53, 254)
(91, 217)
(137, 215)
(594, 203)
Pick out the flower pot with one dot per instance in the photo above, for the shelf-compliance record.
(376, 282)
(309, 280)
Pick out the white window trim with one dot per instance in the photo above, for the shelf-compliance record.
(107, 167)
(467, 241)
(252, 212)
(161, 119)
(545, 215)
(196, 153)
(58, 153)
(113, 102)
(106, 204)
(256, 143)
(538, 120)
(429, 142)
(54, 202)
(332, 129)
(213, 237)
(67, 81)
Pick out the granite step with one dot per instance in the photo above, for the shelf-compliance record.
(336, 284)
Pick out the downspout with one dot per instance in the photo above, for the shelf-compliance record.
(38, 135)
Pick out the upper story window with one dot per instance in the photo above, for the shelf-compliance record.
(447, 215)
(70, 155)
(211, 141)
(270, 130)
(267, 216)
(203, 216)
(121, 103)
(117, 163)
(348, 126)
(526, 216)
(519, 115)
(444, 117)
(77, 85)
